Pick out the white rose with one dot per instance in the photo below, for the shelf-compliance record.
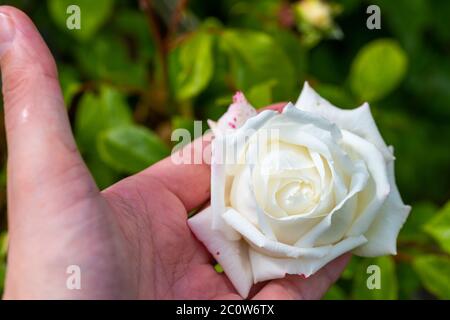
(321, 186)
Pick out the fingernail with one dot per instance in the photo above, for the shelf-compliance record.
(7, 32)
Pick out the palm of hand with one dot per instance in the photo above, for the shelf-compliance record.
(132, 239)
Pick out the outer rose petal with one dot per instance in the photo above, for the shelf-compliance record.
(358, 121)
(232, 255)
(272, 247)
(237, 114)
(268, 268)
(383, 232)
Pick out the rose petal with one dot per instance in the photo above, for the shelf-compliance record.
(378, 172)
(383, 232)
(271, 247)
(232, 255)
(237, 114)
(268, 268)
(334, 226)
(218, 179)
(358, 121)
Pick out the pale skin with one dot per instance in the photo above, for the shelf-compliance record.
(131, 240)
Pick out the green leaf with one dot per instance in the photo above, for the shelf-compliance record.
(351, 267)
(408, 281)
(3, 176)
(93, 15)
(260, 95)
(434, 272)
(256, 58)
(107, 59)
(291, 45)
(3, 244)
(191, 65)
(3, 250)
(95, 113)
(388, 280)
(103, 174)
(70, 83)
(218, 268)
(378, 69)
(335, 293)
(133, 24)
(412, 230)
(2, 276)
(130, 149)
(439, 227)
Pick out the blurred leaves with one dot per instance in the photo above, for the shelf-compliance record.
(412, 230)
(93, 15)
(130, 149)
(439, 228)
(3, 250)
(388, 285)
(434, 271)
(70, 83)
(378, 68)
(97, 112)
(192, 65)
(251, 66)
(260, 95)
(106, 58)
(335, 293)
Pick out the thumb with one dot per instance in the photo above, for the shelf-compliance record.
(44, 165)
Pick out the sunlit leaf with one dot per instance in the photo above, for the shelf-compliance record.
(107, 58)
(3, 244)
(412, 230)
(93, 15)
(192, 65)
(130, 149)
(218, 268)
(260, 95)
(388, 280)
(439, 227)
(3, 249)
(255, 58)
(103, 174)
(2, 275)
(434, 271)
(133, 24)
(378, 69)
(70, 82)
(95, 113)
(335, 293)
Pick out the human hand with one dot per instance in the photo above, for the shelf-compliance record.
(130, 240)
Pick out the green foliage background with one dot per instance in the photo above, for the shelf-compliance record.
(139, 69)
